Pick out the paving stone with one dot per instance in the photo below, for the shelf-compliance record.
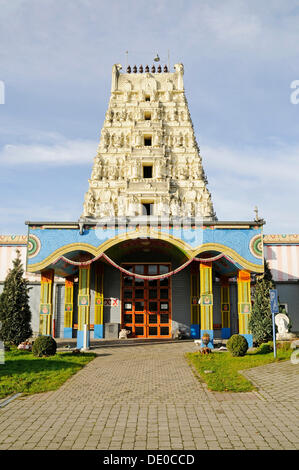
(147, 396)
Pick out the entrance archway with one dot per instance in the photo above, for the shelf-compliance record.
(146, 304)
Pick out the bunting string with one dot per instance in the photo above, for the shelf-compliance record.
(141, 276)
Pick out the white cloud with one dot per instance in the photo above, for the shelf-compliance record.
(14, 215)
(241, 179)
(261, 164)
(62, 152)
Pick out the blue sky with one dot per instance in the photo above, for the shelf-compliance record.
(240, 58)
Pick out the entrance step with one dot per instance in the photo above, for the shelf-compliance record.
(96, 343)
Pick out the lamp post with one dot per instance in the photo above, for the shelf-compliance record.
(274, 309)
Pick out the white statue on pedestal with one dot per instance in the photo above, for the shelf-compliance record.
(282, 321)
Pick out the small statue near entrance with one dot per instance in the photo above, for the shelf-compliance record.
(123, 334)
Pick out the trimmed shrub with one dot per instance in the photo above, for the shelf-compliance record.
(266, 348)
(284, 345)
(44, 346)
(237, 345)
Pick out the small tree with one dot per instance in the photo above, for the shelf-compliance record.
(260, 322)
(15, 313)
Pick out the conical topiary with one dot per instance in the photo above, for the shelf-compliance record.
(15, 314)
(260, 322)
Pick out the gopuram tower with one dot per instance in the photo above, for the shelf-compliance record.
(148, 161)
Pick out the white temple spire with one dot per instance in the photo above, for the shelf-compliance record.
(148, 161)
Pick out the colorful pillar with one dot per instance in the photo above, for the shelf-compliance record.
(225, 308)
(68, 307)
(99, 302)
(46, 301)
(194, 298)
(83, 304)
(244, 305)
(206, 301)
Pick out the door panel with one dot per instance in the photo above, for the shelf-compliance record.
(146, 304)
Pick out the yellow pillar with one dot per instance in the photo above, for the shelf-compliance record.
(206, 301)
(46, 307)
(68, 306)
(83, 303)
(225, 308)
(244, 305)
(194, 298)
(99, 302)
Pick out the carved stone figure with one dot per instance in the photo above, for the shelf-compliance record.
(97, 171)
(181, 173)
(89, 204)
(112, 172)
(121, 206)
(206, 205)
(282, 321)
(174, 208)
(115, 74)
(138, 139)
(179, 68)
(179, 140)
(109, 116)
(105, 139)
(157, 139)
(156, 115)
(118, 141)
(133, 206)
(127, 85)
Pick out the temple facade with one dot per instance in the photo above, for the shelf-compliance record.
(148, 253)
(281, 253)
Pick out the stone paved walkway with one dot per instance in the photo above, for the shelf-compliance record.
(147, 397)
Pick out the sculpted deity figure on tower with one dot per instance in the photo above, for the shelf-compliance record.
(105, 140)
(138, 139)
(97, 170)
(157, 138)
(174, 207)
(89, 204)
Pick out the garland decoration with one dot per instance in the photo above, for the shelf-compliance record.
(141, 276)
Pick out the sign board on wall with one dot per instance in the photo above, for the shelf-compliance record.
(111, 302)
(274, 301)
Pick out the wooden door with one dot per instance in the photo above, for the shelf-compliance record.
(146, 304)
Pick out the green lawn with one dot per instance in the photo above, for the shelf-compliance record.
(225, 376)
(23, 372)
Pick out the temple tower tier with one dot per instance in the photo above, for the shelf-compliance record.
(148, 160)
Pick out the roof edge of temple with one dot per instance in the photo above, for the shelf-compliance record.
(141, 220)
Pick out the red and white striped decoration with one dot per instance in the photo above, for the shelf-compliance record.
(7, 254)
(283, 261)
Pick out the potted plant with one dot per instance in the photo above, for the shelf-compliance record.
(205, 339)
